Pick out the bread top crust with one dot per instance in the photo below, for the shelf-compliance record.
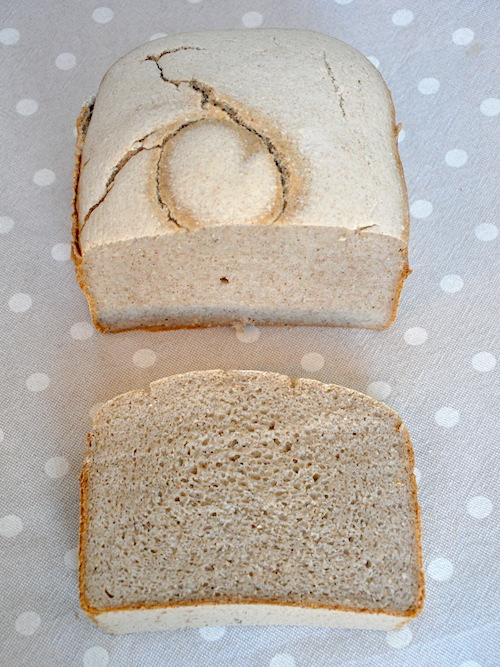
(282, 127)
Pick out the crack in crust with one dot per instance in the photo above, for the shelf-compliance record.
(118, 167)
(210, 99)
(129, 155)
(179, 48)
(82, 124)
(157, 176)
(335, 84)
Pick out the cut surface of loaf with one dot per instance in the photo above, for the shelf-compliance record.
(240, 176)
(243, 497)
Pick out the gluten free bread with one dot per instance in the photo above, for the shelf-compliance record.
(243, 497)
(240, 177)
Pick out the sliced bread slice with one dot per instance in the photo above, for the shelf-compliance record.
(244, 497)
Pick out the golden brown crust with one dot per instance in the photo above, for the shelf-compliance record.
(405, 615)
(419, 602)
(397, 296)
(82, 532)
(413, 612)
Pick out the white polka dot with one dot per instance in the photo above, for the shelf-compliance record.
(447, 417)
(102, 15)
(65, 61)
(490, 107)
(57, 467)
(71, 559)
(2, 435)
(97, 656)
(212, 634)
(428, 86)
(451, 283)
(402, 17)
(378, 390)
(26, 107)
(415, 336)
(418, 475)
(44, 177)
(252, 19)
(440, 569)
(20, 303)
(479, 507)
(343, 2)
(399, 638)
(38, 382)
(282, 660)
(157, 35)
(484, 362)
(374, 61)
(94, 409)
(28, 623)
(469, 663)
(463, 36)
(10, 525)
(249, 334)
(144, 358)
(9, 36)
(456, 157)
(312, 361)
(61, 252)
(486, 231)
(81, 330)
(6, 224)
(401, 136)
(421, 208)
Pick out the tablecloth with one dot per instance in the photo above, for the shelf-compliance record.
(436, 365)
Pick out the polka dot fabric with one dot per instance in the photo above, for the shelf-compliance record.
(437, 365)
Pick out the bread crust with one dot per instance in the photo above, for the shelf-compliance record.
(93, 612)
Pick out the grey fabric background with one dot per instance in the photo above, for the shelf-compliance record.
(436, 365)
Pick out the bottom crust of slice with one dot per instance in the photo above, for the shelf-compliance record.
(245, 275)
(152, 619)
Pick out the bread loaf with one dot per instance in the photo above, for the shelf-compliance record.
(243, 497)
(240, 177)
